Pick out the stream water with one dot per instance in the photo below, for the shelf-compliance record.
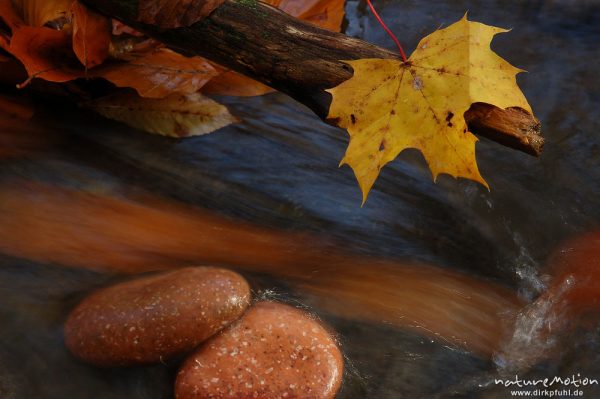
(278, 169)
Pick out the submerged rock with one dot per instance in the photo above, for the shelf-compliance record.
(154, 318)
(273, 351)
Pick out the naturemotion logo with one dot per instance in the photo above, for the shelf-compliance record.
(573, 383)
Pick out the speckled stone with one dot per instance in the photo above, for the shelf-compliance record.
(154, 318)
(273, 352)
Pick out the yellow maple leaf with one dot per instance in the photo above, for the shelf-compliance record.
(389, 105)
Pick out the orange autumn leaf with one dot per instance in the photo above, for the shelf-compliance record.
(91, 35)
(160, 73)
(327, 14)
(168, 14)
(46, 53)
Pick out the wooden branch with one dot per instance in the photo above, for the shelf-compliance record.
(301, 60)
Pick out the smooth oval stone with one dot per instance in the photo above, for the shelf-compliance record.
(154, 318)
(273, 351)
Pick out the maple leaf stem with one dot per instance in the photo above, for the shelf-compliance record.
(387, 30)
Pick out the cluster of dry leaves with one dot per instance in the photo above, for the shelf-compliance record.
(63, 40)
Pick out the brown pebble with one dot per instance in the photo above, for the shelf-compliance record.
(273, 351)
(154, 318)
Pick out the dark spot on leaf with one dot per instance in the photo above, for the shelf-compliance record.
(382, 145)
(449, 117)
(393, 112)
(353, 118)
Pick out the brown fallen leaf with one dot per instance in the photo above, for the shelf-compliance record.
(91, 35)
(176, 115)
(46, 53)
(160, 73)
(169, 14)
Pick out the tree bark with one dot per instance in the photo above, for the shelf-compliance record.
(302, 60)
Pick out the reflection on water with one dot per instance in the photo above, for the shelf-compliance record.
(277, 170)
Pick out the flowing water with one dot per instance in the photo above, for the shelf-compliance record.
(277, 170)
